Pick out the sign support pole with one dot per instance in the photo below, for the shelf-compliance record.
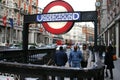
(25, 41)
(95, 33)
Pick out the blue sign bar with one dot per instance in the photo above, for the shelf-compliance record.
(55, 17)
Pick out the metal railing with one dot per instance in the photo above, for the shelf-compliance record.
(13, 62)
(43, 72)
(35, 56)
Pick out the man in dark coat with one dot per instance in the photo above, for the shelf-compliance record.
(60, 57)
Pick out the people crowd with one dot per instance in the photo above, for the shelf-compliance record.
(87, 56)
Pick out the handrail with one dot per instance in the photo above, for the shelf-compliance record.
(43, 71)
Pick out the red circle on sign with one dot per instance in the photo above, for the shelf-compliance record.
(64, 28)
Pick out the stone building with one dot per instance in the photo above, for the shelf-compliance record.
(109, 23)
(13, 11)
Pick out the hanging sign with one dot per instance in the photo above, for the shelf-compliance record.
(58, 17)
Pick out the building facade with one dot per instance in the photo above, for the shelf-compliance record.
(12, 13)
(80, 34)
(109, 19)
(89, 33)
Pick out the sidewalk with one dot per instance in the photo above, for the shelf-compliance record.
(116, 71)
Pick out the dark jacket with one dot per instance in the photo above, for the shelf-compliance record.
(60, 58)
(109, 58)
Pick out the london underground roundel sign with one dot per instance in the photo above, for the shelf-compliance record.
(60, 26)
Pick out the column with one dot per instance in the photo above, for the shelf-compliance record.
(117, 39)
(108, 38)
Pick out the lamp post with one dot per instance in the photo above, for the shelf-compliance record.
(97, 4)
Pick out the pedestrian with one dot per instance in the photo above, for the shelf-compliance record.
(101, 51)
(109, 61)
(75, 58)
(96, 53)
(60, 59)
(91, 49)
(85, 55)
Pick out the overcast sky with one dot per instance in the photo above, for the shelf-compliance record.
(78, 5)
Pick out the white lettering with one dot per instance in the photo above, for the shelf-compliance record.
(58, 17)
(76, 16)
